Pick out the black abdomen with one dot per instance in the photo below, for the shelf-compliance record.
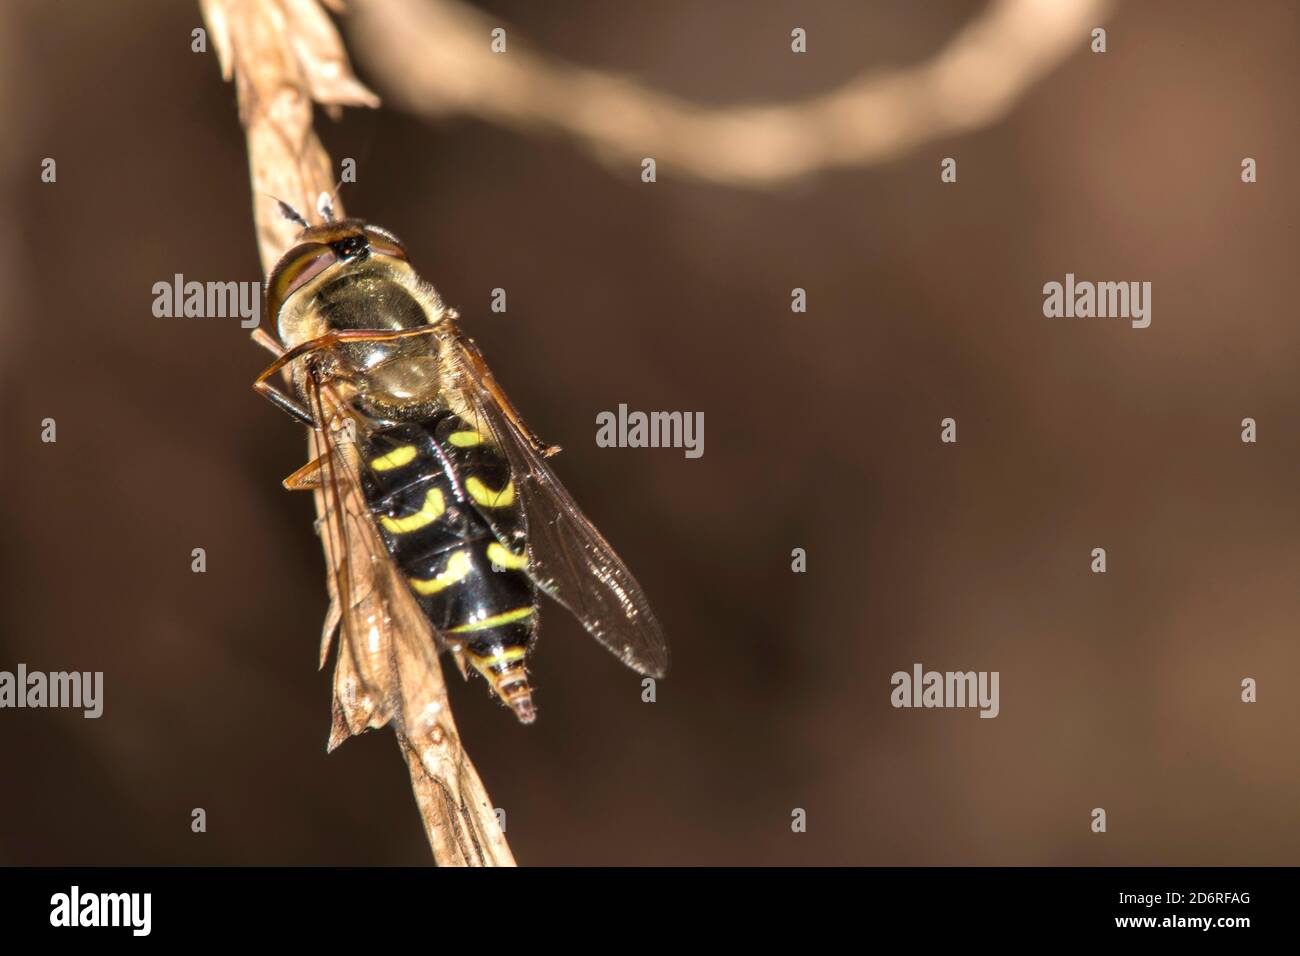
(431, 487)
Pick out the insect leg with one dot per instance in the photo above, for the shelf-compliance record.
(267, 342)
(280, 400)
(481, 371)
(306, 478)
(283, 358)
(276, 397)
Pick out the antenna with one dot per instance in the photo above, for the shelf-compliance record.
(325, 207)
(288, 212)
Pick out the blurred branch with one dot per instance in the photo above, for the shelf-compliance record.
(433, 58)
(284, 55)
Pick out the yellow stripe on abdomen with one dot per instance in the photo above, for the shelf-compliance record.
(395, 458)
(458, 566)
(429, 512)
(499, 555)
(502, 655)
(488, 498)
(466, 439)
(505, 617)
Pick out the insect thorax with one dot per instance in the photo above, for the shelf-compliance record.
(393, 380)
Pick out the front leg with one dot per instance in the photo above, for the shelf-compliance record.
(263, 387)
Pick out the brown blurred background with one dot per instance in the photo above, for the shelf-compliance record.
(821, 431)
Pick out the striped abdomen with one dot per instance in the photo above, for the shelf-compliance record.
(429, 486)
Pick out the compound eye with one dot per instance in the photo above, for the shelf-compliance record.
(384, 243)
(299, 266)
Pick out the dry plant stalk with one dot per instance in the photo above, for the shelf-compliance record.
(285, 55)
(872, 118)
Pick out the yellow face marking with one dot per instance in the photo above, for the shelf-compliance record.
(429, 513)
(458, 565)
(488, 498)
(465, 439)
(506, 617)
(503, 558)
(395, 458)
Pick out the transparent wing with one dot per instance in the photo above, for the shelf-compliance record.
(387, 667)
(568, 558)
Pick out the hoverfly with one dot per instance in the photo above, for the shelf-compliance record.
(432, 486)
